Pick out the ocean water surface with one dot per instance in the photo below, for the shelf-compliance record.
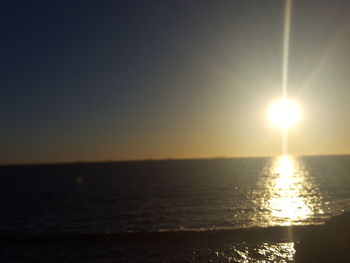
(205, 210)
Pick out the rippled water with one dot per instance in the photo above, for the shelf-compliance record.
(179, 195)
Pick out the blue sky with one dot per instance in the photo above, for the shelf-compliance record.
(111, 80)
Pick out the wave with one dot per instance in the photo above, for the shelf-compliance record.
(258, 234)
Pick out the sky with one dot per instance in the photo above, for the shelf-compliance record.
(124, 80)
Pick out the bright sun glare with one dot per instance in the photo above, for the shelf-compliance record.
(284, 114)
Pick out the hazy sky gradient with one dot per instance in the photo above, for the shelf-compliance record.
(112, 80)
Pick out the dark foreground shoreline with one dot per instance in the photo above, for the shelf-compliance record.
(329, 243)
(168, 246)
(313, 243)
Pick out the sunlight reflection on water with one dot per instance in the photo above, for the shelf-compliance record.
(247, 252)
(286, 195)
(287, 190)
(289, 193)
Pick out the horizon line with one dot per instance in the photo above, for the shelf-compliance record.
(150, 159)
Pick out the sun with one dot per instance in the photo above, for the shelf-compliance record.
(284, 114)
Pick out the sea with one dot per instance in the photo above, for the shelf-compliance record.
(192, 210)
